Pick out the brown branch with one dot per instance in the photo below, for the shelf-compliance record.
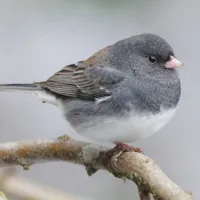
(131, 165)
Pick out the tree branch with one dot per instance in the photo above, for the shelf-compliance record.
(130, 165)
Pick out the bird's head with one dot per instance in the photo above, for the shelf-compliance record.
(146, 53)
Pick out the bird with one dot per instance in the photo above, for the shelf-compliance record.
(123, 93)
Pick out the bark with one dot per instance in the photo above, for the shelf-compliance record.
(131, 165)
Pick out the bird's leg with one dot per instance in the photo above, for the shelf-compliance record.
(126, 147)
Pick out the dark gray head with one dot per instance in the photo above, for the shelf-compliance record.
(145, 53)
(150, 61)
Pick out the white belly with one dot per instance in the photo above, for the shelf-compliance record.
(110, 130)
(127, 130)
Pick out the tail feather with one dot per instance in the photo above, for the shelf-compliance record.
(31, 89)
(20, 87)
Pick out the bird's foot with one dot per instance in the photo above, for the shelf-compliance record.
(113, 155)
(127, 148)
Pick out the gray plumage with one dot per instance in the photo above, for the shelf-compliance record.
(127, 80)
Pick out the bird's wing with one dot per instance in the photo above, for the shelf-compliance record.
(88, 79)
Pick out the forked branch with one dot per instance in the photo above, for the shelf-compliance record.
(129, 165)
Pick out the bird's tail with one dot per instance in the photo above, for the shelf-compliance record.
(31, 88)
(20, 87)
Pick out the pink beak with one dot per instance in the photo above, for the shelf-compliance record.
(173, 63)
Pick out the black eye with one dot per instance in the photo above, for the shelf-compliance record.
(152, 59)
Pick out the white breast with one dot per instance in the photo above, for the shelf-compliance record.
(126, 130)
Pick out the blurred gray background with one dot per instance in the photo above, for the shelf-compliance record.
(39, 37)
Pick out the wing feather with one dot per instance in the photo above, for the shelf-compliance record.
(88, 79)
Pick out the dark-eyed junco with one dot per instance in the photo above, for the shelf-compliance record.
(123, 93)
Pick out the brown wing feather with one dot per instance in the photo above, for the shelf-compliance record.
(76, 81)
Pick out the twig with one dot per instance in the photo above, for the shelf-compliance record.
(22, 188)
(131, 165)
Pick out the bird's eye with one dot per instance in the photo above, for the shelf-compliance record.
(152, 59)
